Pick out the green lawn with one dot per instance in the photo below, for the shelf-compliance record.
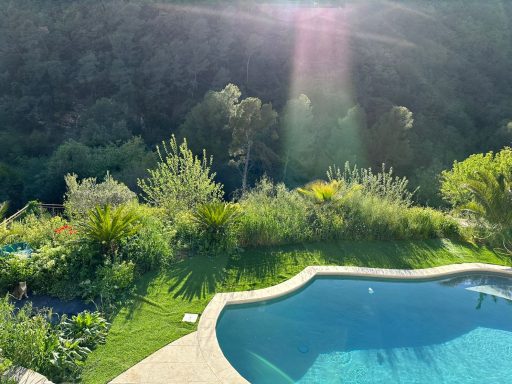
(154, 318)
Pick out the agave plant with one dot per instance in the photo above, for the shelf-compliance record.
(321, 191)
(107, 226)
(216, 217)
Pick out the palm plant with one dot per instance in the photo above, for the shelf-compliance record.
(321, 191)
(108, 227)
(215, 218)
(491, 198)
(491, 201)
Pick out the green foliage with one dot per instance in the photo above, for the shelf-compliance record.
(321, 191)
(370, 217)
(88, 327)
(480, 188)
(111, 284)
(272, 214)
(389, 138)
(150, 248)
(383, 184)
(216, 217)
(83, 196)
(181, 180)
(206, 125)
(37, 231)
(29, 340)
(252, 124)
(453, 180)
(107, 227)
(126, 161)
(215, 221)
(70, 103)
(491, 198)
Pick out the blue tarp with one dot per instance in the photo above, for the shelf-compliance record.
(18, 248)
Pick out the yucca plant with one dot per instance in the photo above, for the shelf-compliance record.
(216, 217)
(321, 191)
(108, 227)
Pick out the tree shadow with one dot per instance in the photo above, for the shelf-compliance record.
(197, 277)
(138, 298)
(258, 265)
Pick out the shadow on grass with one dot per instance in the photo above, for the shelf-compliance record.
(197, 277)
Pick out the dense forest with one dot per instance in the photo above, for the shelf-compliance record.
(275, 89)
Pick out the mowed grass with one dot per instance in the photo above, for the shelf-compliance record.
(153, 319)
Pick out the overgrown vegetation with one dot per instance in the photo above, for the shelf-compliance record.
(59, 350)
(480, 190)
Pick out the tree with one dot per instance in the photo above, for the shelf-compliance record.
(180, 180)
(254, 127)
(388, 139)
(206, 126)
(298, 140)
(82, 196)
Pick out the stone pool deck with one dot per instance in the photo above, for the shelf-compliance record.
(197, 357)
(180, 362)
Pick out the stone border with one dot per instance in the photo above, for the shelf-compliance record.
(206, 331)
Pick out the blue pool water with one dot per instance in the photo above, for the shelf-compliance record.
(339, 330)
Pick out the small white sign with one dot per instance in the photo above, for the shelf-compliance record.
(190, 317)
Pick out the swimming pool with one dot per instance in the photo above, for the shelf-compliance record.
(352, 330)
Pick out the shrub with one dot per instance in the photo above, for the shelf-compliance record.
(37, 231)
(272, 215)
(88, 327)
(181, 180)
(216, 217)
(382, 184)
(107, 227)
(370, 217)
(29, 340)
(151, 246)
(110, 285)
(479, 188)
(453, 181)
(4, 206)
(215, 221)
(83, 196)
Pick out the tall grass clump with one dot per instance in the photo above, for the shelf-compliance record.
(370, 217)
(381, 208)
(383, 184)
(272, 215)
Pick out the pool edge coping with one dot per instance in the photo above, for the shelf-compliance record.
(206, 330)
